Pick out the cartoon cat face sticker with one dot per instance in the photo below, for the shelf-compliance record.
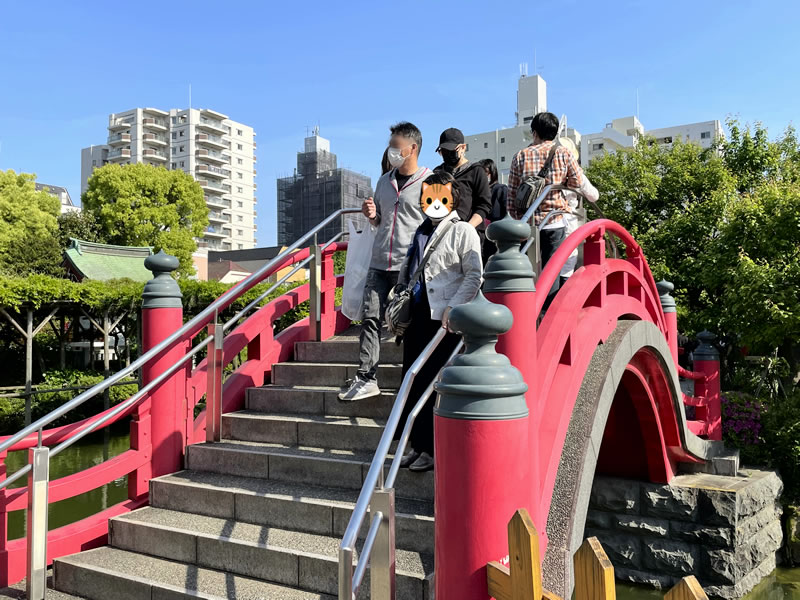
(436, 200)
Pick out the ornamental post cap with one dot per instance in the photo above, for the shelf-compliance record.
(162, 290)
(508, 270)
(161, 263)
(480, 384)
(706, 350)
(665, 289)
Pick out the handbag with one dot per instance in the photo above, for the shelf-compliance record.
(356, 266)
(532, 186)
(398, 305)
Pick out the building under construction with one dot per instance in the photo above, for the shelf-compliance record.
(317, 189)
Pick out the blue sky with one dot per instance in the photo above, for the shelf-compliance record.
(356, 67)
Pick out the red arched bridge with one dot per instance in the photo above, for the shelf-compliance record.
(603, 395)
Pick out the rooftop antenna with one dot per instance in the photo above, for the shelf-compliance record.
(523, 69)
(637, 103)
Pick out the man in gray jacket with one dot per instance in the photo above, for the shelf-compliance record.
(395, 211)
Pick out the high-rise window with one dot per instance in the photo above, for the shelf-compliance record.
(239, 175)
(705, 135)
(239, 203)
(239, 161)
(238, 132)
(239, 189)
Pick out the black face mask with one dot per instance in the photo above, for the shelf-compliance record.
(450, 157)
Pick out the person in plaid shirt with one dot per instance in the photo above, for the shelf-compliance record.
(563, 170)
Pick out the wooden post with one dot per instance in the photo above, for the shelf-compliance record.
(687, 588)
(594, 573)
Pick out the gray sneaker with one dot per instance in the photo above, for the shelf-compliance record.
(360, 389)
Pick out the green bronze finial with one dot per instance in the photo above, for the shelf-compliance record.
(162, 290)
(509, 270)
(664, 293)
(481, 384)
(706, 350)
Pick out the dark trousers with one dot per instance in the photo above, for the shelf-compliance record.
(376, 291)
(550, 240)
(419, 333)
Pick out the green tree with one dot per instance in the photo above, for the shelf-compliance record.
(670, 199)
(143, 205)
(81, 225)
(26, 217)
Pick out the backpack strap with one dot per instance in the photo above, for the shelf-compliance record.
(548, 163)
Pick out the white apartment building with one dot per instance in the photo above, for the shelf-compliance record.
(218, 152)
(502, 144)
(625, 133)
(62, 194)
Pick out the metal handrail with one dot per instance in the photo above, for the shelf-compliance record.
(349, 581)
(191, 326)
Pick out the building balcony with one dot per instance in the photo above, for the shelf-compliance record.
(155, 124)
(214, 232)
(210, 171)
(217, 201)
(118, 124)
(154, 139)
(212, 156)
(214, 186)
(121, 154)
(154, 154)
(212, 126)
(213, 141)
(213, 114)
(118, 139)
(255, 172)
(218, 217)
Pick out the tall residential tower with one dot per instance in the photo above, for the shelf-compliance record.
(218, 152)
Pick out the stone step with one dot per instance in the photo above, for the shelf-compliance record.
(330, 374)
(106, 573)
(340, 433)
(343, 349)
(316, 400)
(299, 560)
(17, 591)
(311, 509)
(298, 464)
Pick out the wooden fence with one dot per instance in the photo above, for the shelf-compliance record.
(594, 574)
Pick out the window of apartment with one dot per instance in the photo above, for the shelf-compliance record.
(502, 159)
(182, 164)
(239, 190)
(502, 140)
(238, 132)
(239, 175)
(527, 119)
(182, 119)
(239, 146)
(485, 144)
(239, 246)
(174, 165)
(181, 133)
(174, 149)
(706, 135)
(240, 218)
(239, 203)
(665, 140)
(182, 149)
(239, 232)
(239, 161)
(174, 120)
(94, 163)
(596, 147)
(174, 135)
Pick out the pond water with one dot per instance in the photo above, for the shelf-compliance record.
(91, 450)
(783, 584)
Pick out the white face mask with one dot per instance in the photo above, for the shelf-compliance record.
(395, 157)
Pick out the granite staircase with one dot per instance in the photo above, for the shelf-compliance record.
(261, 514)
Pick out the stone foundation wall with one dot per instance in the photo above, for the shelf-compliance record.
(724, 530)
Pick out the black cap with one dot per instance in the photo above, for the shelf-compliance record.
(450, 138)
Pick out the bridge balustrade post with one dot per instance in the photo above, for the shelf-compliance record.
(158, 424)
(4, 580)
(509, 280)
(706, 361)
(665, 289)
(481, 453)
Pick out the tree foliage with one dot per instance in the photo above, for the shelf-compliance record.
(81, 225)
(28, 222)
(143, 205)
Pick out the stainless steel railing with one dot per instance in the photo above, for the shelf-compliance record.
(40, 455)
(377, 497)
